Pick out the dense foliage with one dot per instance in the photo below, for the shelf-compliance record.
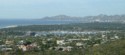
(70, 27)
(113, 48)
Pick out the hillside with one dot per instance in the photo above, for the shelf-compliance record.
(113, 48)
(99, 18)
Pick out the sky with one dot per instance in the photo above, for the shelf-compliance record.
(33, 9)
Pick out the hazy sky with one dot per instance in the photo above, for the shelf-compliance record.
(41, 8)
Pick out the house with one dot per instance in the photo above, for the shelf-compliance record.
(68, 48)
(6, 49)
(62, 48)
(22, 47)
(21, 42)
(28, 46)
(2, 46)
(76, 40)
(44, 42)
(60, 42)
(79, 44)
(9, 42)
(29, 33)
(85, 39)
(116, 37)
(95, 45)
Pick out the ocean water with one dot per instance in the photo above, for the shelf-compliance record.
(20, 22)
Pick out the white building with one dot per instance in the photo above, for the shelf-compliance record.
(60, 42)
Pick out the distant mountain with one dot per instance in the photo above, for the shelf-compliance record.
(99, 18)
(62, 17)
(106, 18)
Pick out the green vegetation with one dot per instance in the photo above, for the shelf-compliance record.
(113, 48)
(70, 27)
(106, 43)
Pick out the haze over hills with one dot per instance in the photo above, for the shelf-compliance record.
(61, 17)
(99, 18)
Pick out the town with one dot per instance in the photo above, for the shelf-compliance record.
(56, 42)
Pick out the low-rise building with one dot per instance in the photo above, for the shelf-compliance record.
(60, 42)
(62, 48)
(28, 46)
(9, 42)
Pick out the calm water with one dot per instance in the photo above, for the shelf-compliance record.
(18, 22)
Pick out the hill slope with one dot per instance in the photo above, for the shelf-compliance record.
(113, 48)
(99, 18)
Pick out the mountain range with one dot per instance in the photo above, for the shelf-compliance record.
(98, 18)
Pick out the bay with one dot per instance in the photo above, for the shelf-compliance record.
(20, 22)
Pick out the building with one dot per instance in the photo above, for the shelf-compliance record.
(28, 46)
(62, 48)
(60, 42)
(9, 42)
